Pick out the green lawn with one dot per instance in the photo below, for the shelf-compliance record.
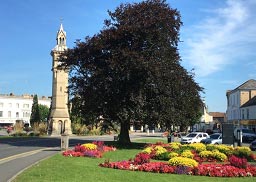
(151, 140)
(72, 169)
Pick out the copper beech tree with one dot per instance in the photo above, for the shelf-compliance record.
(130, 70)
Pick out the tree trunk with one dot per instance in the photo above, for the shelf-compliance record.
(124, 137)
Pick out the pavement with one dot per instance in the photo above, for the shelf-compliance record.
(12, 166)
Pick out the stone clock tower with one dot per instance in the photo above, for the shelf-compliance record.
(59, 121)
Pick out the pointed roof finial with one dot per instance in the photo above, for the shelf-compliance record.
(61, 26)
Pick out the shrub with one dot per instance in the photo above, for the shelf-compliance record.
(182, 161)
(78, 128)
(40, 128)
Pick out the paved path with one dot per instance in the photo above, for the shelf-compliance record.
(18, 154)
(14, 165)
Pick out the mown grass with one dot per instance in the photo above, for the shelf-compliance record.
(77, 169)
(151, 140)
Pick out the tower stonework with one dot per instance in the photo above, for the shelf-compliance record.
(59, 121)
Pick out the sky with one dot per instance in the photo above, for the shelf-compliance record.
(218, 41)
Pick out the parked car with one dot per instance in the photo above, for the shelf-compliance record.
(215, 138)
(194, 137)
(175, 137)
(253, 145)
(248, 135)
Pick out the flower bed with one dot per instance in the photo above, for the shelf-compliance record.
(95, 149)
(189, 159)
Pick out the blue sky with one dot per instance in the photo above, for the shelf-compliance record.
(218, 41)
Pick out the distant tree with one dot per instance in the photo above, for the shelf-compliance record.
(43, 112)
(131, 70)
(35, 114)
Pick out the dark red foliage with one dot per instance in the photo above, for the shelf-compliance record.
(141, 158)
(238, 162)
(79, 148)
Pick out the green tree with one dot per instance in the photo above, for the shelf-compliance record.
(43, 112)
(35, 114)
(131, 69)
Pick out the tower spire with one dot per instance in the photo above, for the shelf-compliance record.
(59, 122)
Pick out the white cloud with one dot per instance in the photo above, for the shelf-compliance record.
(226, 36)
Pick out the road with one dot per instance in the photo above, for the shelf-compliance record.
(17, 154)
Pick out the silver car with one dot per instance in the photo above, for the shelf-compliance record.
(215, 138)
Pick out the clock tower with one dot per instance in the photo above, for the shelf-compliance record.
(59, 121)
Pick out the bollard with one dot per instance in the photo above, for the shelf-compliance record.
(147, 131)
(64, 142)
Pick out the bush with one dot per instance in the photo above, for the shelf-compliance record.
(40, 128)
(78, 128)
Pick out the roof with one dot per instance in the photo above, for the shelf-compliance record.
(251, 102)
(250, 84)
(217, 114)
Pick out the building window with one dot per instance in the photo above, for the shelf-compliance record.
(26, 114)
(17, 114)
(242, 113)
(247, 110)
(17, 105)
(10, 104)
(26, 106)
(1, 104)
(1, 113)
(9, 114)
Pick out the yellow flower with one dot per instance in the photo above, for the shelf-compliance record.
(197, 146)
(147, 150)
(175, 145)
(160, 150)
(90, 146)
(206, 154)
(219, 156)
(187, 154)
(173, 154)
(182, 161)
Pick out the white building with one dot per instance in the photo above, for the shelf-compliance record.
(241, 105)
(18, 108)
